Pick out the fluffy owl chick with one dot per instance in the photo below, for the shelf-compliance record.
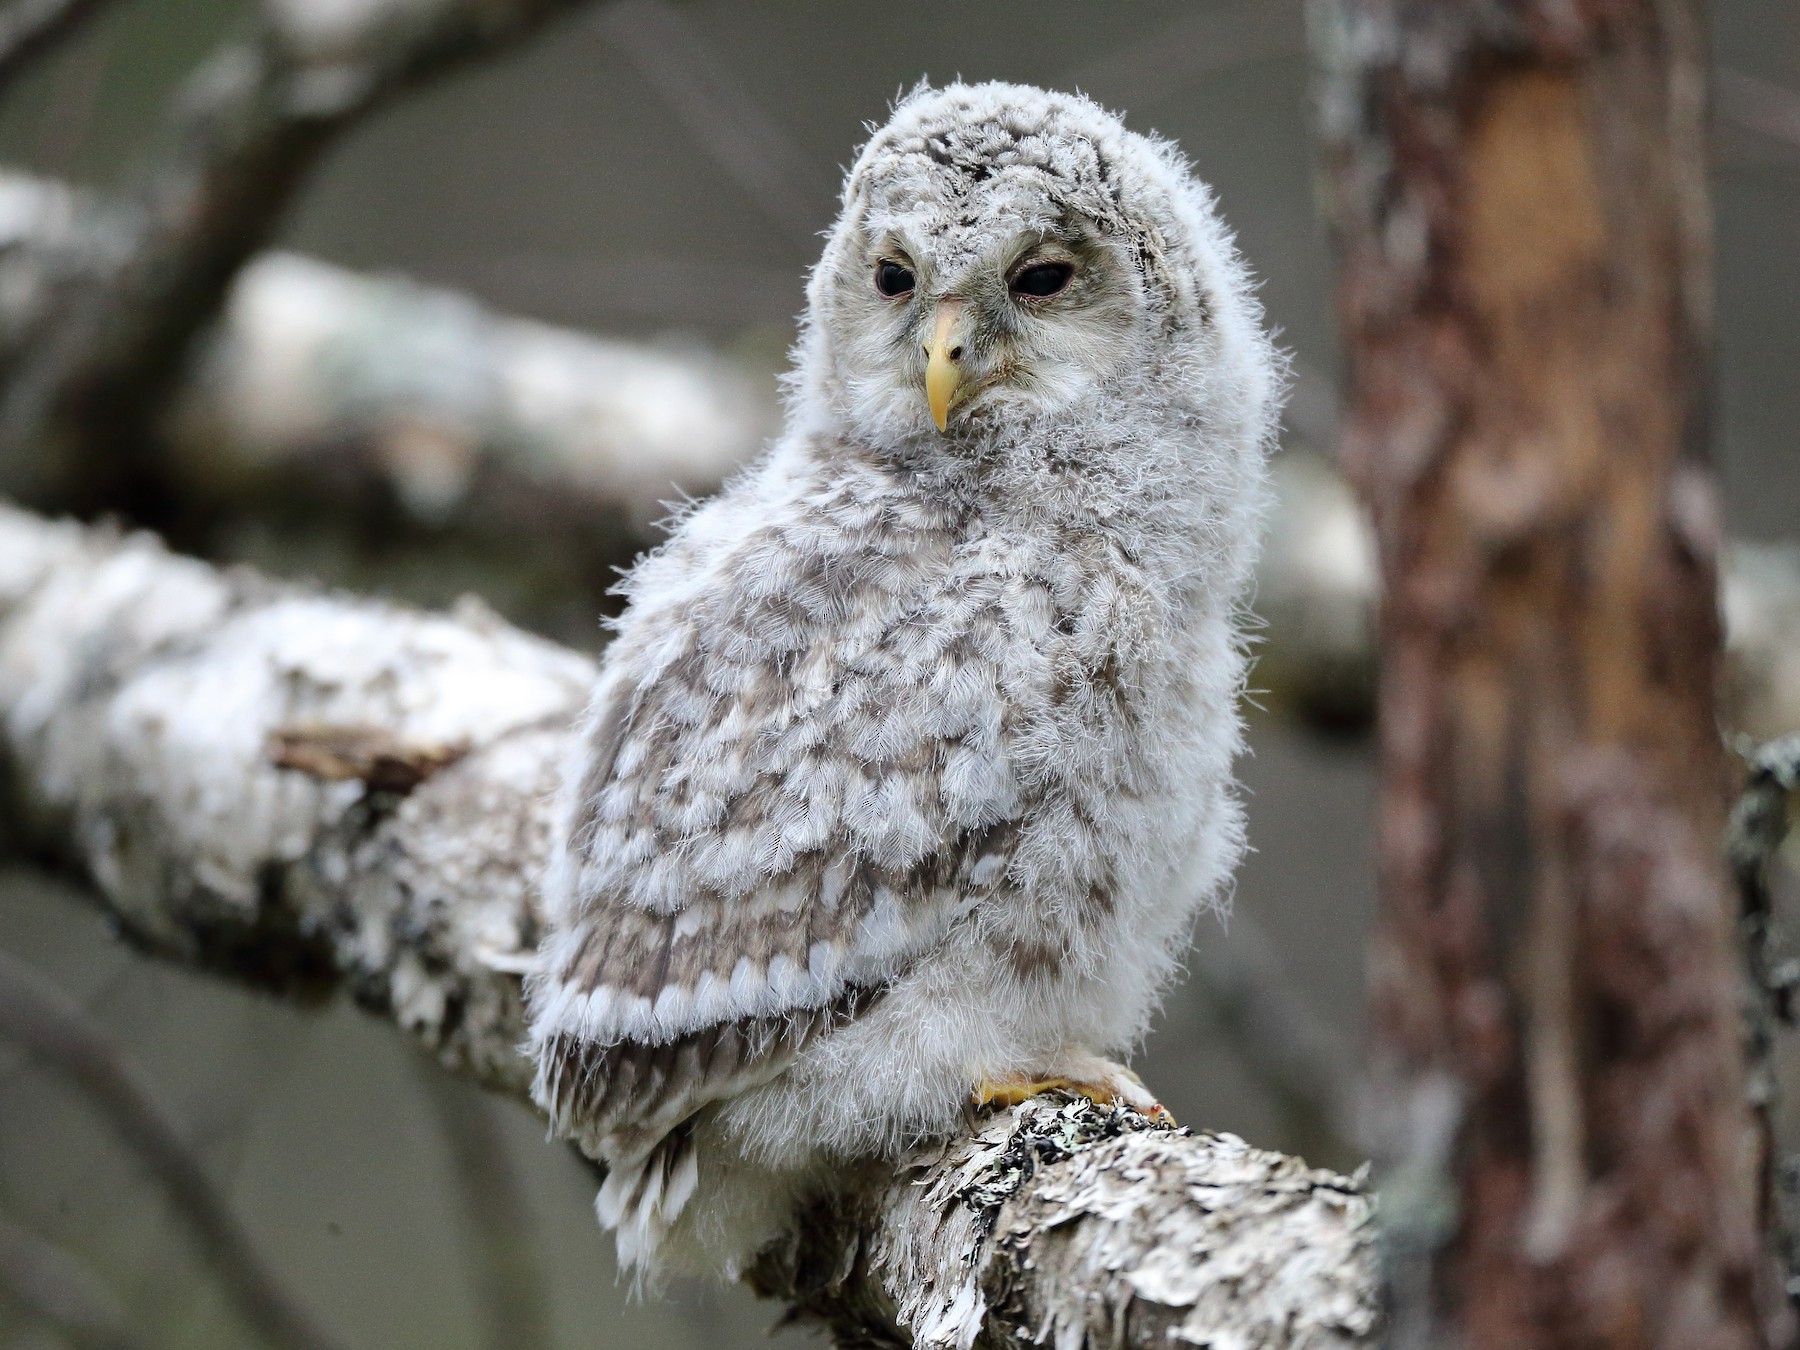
(911, 760)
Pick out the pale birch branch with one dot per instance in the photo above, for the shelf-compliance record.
(148, 706)
(454, 410)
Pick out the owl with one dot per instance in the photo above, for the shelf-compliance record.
(910, 762)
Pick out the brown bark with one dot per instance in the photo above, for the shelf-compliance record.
(1520, 197)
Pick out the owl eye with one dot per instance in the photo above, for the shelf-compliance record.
(893, 279)
(1042, 280)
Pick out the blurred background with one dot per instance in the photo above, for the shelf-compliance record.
(658, 173)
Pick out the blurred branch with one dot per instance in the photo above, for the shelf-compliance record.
(1758, 105)
(85, 389)
(383, 418)
(139, 697)
(1318, 591)
(505, 1265)
(458, 412)
(1204, 42)
(1760, 596)
(704, 94)
(30, 29)
(59, 1034)
(48, 1283)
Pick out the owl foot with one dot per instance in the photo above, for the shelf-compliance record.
(1077, 1071)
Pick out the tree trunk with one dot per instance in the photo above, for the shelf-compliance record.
(1520, 196)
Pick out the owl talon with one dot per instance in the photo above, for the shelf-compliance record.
(998, 1094)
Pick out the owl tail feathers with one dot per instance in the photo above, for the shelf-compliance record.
(641, 1200)
(570, 1083)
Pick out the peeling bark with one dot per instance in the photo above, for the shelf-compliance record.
(207, 749)
(1521, 208)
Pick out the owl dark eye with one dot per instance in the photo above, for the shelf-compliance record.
(1042, 280)
(893, 280)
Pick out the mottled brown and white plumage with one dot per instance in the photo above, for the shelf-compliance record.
(911, 760)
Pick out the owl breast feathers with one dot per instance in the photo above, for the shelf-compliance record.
(910, 761)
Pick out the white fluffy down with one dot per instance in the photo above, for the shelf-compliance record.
(1004, 659)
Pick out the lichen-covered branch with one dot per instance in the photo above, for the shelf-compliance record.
(311, 792)
(1075, 1225)
(1759, 824)
(148, 702)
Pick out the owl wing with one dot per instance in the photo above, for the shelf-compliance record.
(796, 777)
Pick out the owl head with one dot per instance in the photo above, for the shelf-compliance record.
(1008, 257)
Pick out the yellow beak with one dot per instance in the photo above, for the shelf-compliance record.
(943, 361)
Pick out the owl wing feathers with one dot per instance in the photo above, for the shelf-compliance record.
(798, 778)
